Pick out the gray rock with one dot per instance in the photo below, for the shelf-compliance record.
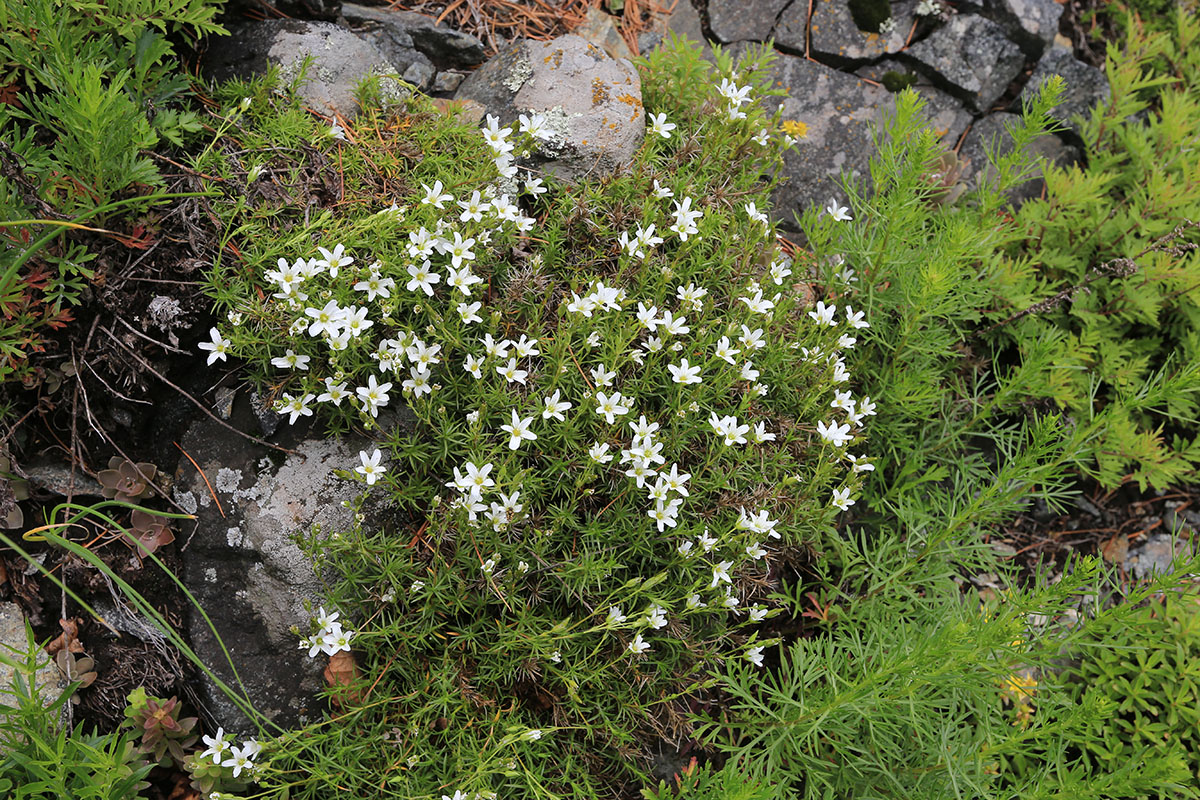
(14, 645)
(991, 130)
(444, 46)
(1032, 24)
(419, 75)
(1086, 86)
(685, 23)
(599, 29)
(972, 55)
(62, 480)
(244, 568)
(1157, 555)
(743, 20)
(448, 81)
(839, 110)
(327, 10)
(592, 102)
(340, 60)
(945, 113)
(836, 39)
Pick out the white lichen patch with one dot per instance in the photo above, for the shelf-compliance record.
(186, 501)
(234, 537)
(228, 480)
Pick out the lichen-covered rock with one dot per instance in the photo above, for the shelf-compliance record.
(340, 60)
(401, 34)
(839, 111)
(1032, 24)
(743, 20)
(973, 56)
(835, 35)
(243, 566)
(1086, 86)
(592, 102)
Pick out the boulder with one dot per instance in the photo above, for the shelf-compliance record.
(1086, 86)
(592, 102)
(243, 566)
(599, 29)
(743, 20)
(1032, 24)
(839, 111)
(340, 60)
(972, 56)
(407, 37)
(835, 35)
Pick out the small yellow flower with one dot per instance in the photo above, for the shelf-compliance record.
(795, 128)
(1019, 688)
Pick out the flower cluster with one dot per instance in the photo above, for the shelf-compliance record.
(223, 753)
(330, 638)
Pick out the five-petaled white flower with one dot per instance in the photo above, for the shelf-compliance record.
(638, 645)
(553, 407)
(434, 195)
(370, 468)
(374, 395)
(519, 431)
(217, 348)
(835, 434)
(422, 278)
(611, 406)
(839, 213)
(684, 373)
(841, 498)
(754, 656)
(659, 125)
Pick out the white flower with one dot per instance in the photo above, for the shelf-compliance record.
(760, 434)
(726, 351)
(296, 406)
(685, 549)
(662, 192)
(336, 131)
(553, 407)
(758, 304)
(434, 195)
(218, 745)
(615, 616)
(659, 125)
(858, 465)
(690, 294)
(471, 365)
(721, 574)
(835, 434)
(473, 209)
(519, 431)
(511, 374)
(656, 617)
(374, 395)
(459, 250)
(748, 372)
(638, 645)
(476, 478)
(239, 758)
(754, 655)
(752, 339)
(838, 212)
(855, 318)
(822, 314)
(370, 468)
(534, 125)
(495, 347)
(468, 312)
(526, 347)
(291, 359)
(684, 373)
(753, 213)
(462, 279)
(422, 278)
(534, 186)
(841, 498)
(333, 261)
(532, 735)
(673, 325)
(598, 452)
(706, 542)
(217, 348)
(418, 382)
(693, 602)
(757, 613)
(497, 137)
(375, 286)
(755, 551)
(611, 406)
